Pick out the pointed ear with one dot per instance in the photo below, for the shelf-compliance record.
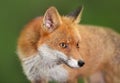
(51, 20)
(76, 14)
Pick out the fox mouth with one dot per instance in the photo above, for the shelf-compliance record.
(67, 62)
(70, 62)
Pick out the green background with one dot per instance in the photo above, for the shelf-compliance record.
(14, 14)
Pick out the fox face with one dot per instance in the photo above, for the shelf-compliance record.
(60, 39)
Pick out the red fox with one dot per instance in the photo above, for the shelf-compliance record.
(55, 47)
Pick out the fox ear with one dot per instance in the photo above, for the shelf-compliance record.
(76, 14)
(51, 19)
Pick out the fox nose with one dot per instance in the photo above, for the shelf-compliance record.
(81, 63)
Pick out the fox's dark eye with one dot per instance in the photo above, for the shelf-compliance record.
(63, 45)
(77, 45)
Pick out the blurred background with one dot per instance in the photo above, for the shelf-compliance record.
(14, 14)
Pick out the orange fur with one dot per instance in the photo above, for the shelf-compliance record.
(98, 47)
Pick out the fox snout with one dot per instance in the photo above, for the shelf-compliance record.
(75, 63)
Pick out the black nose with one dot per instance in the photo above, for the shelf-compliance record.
(81, 63)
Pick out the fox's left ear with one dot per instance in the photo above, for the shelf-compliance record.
(76, 14)
(51, 20)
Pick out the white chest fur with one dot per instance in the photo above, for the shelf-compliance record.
(44, 66)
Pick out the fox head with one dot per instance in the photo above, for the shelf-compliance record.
(60, 38)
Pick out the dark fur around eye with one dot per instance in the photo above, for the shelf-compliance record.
(77, 45)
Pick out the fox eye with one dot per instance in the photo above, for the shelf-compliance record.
(63, 45)
(77, 45)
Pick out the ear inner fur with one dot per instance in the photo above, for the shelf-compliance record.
(51, 20)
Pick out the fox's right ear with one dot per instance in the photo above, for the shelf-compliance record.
(51, 20)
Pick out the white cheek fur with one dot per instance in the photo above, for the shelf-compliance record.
(44, 65)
